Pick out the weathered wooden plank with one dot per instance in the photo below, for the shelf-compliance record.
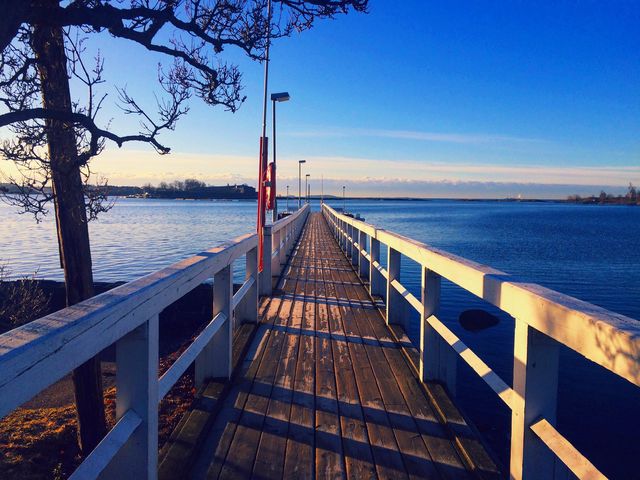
(329, 455)
(356, 443)
(415, 455)
(299, 460)
(269, 462)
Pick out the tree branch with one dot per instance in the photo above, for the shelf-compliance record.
(80, 119)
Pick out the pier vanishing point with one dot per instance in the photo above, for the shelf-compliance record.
(306, 370)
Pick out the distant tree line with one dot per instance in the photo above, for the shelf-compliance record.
(176, 185)
(630, 198)
(195, 189)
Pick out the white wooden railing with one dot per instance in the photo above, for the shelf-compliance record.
(544, 319)
(38, 354)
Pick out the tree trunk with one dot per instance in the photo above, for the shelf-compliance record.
(71, 216)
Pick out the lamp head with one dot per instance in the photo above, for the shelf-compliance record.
(302, 161)
(280, 97)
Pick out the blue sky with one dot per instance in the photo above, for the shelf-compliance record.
(420, 98)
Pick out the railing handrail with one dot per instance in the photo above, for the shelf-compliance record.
(544, 319)
(538, 306)
(103, 319)
(37, 354)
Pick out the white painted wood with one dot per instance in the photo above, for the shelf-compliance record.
(242, 291)
(275, 252)
(265, 276)
(407, 295)
(214, 361)
(106, 450)
(247, 310)
(137, 390)
(34, 356)
(394, 301)
(535, 386)
(375, 278)
(470, 358)
(363, 261)
(171, 376)
(438, 358)
(354, 250)
(567, 453)
(282, 248)
(383, 272)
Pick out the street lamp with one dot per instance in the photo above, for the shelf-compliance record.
(300, 162)
(276, 97)
(306, 185)
(287, 198)
(344, 204)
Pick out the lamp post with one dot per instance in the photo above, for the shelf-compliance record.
(262, 164)
(287, 198)
(276, 97)
(306, 185)
(300, 162)
(344, 203)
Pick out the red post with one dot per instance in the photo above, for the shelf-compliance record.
(264, 152)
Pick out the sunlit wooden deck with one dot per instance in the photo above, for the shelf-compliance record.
(325, 391)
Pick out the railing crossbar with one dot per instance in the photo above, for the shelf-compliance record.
(175, 371)
(108, 448)
(242, 291)
(579, 465)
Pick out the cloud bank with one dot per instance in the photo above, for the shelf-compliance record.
(370, 177)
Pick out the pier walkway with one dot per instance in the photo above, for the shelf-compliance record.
(325, 390)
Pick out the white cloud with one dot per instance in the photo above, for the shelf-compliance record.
(459, 138)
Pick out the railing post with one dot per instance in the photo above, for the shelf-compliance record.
(265, 275)
(438, 361)
(363, 263)
(284, 245)
(343, 236)
(394, 301)
(347, 235)
(355, 254)
(137, 390)
(247, 311)
(288, 238)
(275, 252)
(375, 278)
(535, 386)
(215, 359)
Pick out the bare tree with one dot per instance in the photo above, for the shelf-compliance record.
(51, 137)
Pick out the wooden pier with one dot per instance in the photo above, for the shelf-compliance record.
(304, 371)
(326, 391)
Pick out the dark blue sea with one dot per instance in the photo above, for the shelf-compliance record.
(589, 252)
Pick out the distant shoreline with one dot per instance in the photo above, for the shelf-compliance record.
(396, 199)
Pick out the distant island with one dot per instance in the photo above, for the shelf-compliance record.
(631, 198)
(190, 189)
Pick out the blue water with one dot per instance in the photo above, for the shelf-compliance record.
(590, 252)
